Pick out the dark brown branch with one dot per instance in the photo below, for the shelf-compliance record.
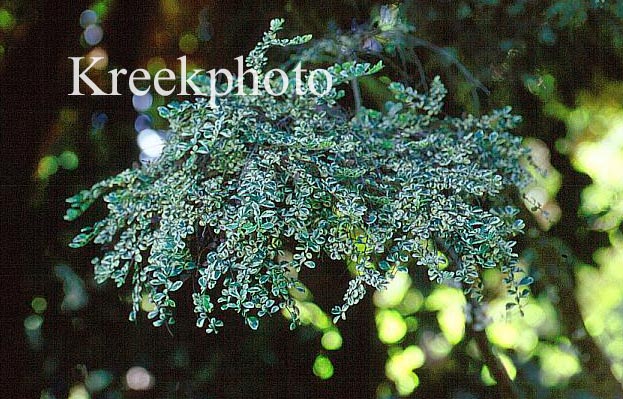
(556, 264)
(506, 386)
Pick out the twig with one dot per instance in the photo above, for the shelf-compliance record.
(354, 84)
(418, 42)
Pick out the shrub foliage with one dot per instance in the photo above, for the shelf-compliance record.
(249, 192)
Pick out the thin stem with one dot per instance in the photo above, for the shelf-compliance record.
(418, 42)
(354, 84)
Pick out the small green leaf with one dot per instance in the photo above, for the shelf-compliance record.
(253, 322)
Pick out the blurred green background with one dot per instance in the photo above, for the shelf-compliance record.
(558, 63)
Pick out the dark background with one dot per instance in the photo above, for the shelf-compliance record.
(39, 119)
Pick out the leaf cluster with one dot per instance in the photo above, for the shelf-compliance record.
(248, 193)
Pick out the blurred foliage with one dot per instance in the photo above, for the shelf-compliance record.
(558, 63)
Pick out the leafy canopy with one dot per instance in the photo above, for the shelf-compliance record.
(249, 192)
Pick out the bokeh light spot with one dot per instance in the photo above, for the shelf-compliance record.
(33, 322)
(146, 303)
(39, 304)
(78, 392)
(503, 334)
(395, 292)
(139, 379)
(323, 368)
(48, 165)
(486, 377)
(312, 314)
(142, 103)
(150, 142)
(170, 7)
(155, 64)
(390, 325)
(101, 8)
(68, 160)
(98, 120)
(142, 122)
(452, 323)
(67, 116)
(443, 296)
(188, 43)
(557, 365)
(74, 288)
(399, 368)
(98, 52)
(88, 17)
(7, 22)
(405, 386)
(331, 340)
(98, 380)
(93, 34)
(412, 302)
(438, 346)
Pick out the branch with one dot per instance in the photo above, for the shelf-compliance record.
(506, 386)
(354, 84)
(556, 264)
